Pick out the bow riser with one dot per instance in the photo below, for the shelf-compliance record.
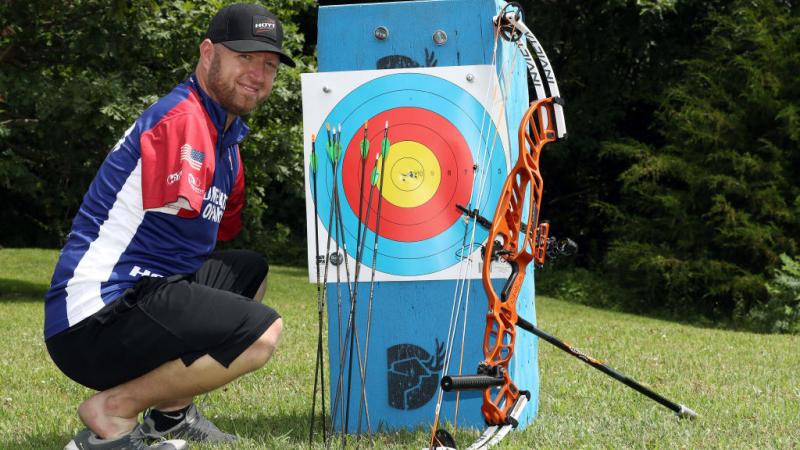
(516, 237)
(522, 190)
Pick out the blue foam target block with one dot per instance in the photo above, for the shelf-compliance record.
(409, 325)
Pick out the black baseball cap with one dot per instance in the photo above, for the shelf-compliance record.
(245, 27)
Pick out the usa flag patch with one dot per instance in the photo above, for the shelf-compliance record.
(192, 156)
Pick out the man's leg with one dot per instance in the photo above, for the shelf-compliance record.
(165, 339)
(114, 412)
(234, 271)
(181, 403)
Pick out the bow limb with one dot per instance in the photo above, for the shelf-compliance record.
(540, 69)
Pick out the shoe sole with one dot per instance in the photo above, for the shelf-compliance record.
(179, 444)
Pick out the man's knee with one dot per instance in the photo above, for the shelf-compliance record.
(262, 289)
(261, 350)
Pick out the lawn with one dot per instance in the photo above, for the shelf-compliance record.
(745, 386)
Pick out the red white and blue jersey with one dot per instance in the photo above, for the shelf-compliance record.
(166, 192)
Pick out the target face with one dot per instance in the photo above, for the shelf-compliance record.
(445, 150)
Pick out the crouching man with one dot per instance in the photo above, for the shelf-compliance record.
(141, 308)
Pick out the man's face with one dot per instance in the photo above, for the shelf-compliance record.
(241, 81)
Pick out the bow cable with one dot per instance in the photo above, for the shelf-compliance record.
(463, 286)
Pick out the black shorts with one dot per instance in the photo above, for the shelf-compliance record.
(161, 319)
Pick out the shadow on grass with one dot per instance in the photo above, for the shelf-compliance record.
(21, 291)
(589, 289)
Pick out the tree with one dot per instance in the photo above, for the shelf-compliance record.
(75, 74)
(613, 59)
(703, 218)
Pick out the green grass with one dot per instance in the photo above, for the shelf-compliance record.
(745, 386)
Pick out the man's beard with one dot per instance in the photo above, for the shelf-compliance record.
(226, 94)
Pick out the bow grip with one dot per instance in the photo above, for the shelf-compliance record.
(470, 382)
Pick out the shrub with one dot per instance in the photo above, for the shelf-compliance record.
(781, 313)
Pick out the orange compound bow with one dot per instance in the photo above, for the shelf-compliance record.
(517, 242)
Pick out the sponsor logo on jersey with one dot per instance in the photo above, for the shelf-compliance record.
(195, 184)
(174, 177)
(138, 271)
(215, 206)
(192, 156)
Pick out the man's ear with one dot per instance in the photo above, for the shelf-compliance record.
(206, 53)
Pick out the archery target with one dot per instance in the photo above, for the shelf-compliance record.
(444, 151)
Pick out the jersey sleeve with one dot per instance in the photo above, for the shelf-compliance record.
(231, 224)
(177, 165)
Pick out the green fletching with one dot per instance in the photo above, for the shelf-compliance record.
(374, 177)
(314, 162)
(338, 150)
(385, 147)
(329, 148)
(364, 148)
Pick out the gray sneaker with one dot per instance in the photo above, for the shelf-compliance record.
(135, 440)
(193, 426)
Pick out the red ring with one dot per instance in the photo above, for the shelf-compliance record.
(455, 161)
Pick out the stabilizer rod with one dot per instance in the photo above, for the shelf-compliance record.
(681, 410)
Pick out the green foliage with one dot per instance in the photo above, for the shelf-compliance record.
(781, 313)
(679, 179)
(612, 60)
(76, 74)
(702, 219)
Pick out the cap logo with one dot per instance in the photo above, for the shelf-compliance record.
(264, 26)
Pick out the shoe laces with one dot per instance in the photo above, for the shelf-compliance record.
(139, 439)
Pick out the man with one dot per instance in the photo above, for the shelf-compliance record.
(139, 307)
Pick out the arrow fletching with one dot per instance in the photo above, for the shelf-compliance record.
(385, 147)
(364, 143)
(337, 143)
(385, 142)
(313, 153)
(374, 177)
(330, 149)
